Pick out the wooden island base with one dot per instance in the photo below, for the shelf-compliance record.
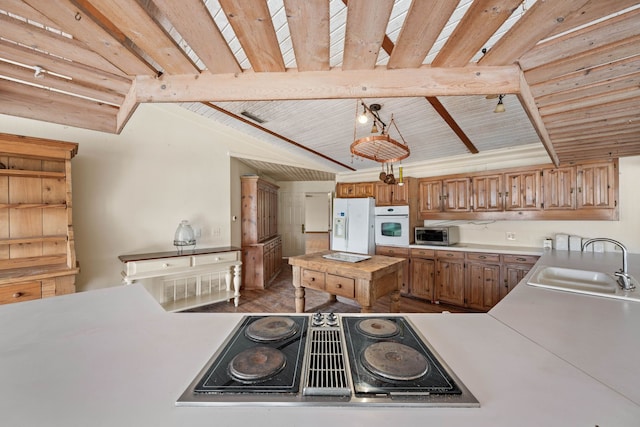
(364, 281)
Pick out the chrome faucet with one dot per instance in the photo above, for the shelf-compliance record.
(625, 280)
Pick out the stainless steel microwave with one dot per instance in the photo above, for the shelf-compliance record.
(438, 236)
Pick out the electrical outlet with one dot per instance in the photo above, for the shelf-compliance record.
(511, 235)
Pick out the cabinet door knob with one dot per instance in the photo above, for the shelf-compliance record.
(18, 294)
(313, 279)
(339, 285)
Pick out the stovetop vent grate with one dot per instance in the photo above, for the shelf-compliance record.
(327, 371)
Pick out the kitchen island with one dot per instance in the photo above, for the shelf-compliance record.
(365, 281)
(114, 357)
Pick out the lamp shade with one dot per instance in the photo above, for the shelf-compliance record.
(184, 235)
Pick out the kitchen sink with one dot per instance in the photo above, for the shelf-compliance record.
(580, 281)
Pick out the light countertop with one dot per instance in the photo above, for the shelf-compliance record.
(113, 357)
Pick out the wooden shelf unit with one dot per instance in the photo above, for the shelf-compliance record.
(37, 252)
(261, 244)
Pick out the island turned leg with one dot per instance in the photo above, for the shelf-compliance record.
(299, 289)
(395, 302)
(237, 276)
(299, 299)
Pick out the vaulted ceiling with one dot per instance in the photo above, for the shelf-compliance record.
(294, 73)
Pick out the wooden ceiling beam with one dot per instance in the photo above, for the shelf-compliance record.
(73, 20)
(583, 41)
(529, 105)
(51, 81)
(79, 73)
(309, 29)
(418, 35)
(592, 11)
(135, 22)
(580, 63)
(365, 31)
(479, 23)
(251, 21)
(540, 20)
(40, 104)
(47, 41)
(195, 24)
(628, 82)
(591, 101)
(588, 76)
(378, 83)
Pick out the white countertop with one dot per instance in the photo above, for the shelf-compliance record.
(113, 357)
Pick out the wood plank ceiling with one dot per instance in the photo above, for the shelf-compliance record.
(569, 70)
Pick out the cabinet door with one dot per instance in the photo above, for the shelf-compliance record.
(430, 196)
(487, 193)
(423, 278)
(483, 285)
(345, 190)
(512, 274)
(364, 189)
(522, 190)
(400, 194)
(450, 281)
(596, 185)
(456, 195)
(559, 188)
(383, 194)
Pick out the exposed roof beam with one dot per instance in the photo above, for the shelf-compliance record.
(365, 29)
(377, 83)
(529, 105)
(196, 25)
(309, 28)
(478, 24)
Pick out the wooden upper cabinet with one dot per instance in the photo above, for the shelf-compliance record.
(354, 189)
(597, 185)
(487, 192)
(456, 194)
(522, 190)
(429, 196)
(559, 188)
(391, 194)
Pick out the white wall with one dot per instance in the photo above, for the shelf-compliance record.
(131, 190)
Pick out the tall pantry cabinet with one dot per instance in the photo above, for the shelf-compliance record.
(37, 254)
(261, 244)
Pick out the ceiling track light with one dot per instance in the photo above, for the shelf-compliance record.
(500, 107)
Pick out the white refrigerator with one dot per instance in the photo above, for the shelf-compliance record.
(353, 226)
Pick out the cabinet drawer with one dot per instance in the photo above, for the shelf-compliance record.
(422, 253)
(482, 257)
(20, 292)
(520, 259)
(343, 286)
(216, 258)
(392, 251)
(313, 279)
(450, 254)
(137, 267)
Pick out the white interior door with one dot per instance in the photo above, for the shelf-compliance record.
(290, 223)
(317, 212)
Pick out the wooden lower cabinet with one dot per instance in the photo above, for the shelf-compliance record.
(514, 268)
(482, 281)
(394, 251)
(475, 280)
(262, 263)
(450, 277)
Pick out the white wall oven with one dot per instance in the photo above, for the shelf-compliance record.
(392, 225)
